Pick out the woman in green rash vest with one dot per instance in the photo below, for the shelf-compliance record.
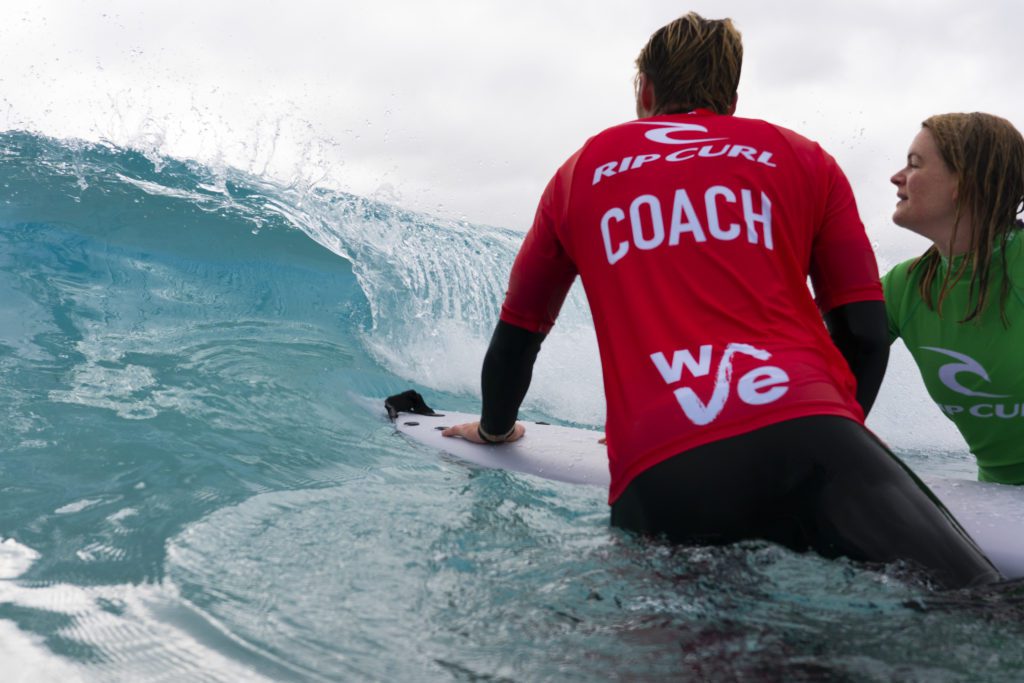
(959, 307)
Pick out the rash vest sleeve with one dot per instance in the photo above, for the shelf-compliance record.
(543, 271)
(843, 266)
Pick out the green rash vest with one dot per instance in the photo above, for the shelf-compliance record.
(974, 371)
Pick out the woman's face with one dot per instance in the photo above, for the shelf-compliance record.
(926, 188)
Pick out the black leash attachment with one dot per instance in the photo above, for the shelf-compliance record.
(407, 402)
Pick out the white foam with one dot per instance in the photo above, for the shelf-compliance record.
(146, 633)
(26, 659)
(15, 558)
(154, 634)
(77, 506)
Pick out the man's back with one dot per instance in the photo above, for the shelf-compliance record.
(694, 235)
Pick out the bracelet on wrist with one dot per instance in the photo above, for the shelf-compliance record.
(493, 438)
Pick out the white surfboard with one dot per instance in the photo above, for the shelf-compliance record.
(993, 514)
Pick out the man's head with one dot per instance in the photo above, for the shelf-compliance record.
(690, 63)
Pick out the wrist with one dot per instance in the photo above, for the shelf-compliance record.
(494, 438)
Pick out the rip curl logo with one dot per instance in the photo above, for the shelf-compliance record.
(948, 373)
(683, 136)
(663, 131)
(762, 385)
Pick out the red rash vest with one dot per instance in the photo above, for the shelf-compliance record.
(694, 235)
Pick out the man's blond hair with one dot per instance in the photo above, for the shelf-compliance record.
(693, 62)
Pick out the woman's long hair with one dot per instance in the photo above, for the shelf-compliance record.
(987, 154)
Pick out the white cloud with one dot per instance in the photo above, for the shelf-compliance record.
(466, 108)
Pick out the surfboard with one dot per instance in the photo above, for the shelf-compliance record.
(993, 514)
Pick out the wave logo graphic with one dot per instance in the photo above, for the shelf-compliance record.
(759, 386)
(948, 372)
(663, 131)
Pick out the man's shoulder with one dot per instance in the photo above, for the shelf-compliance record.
(808, 151)
(702, 138)
(679, 129)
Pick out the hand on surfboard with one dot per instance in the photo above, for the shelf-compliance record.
(470, 431)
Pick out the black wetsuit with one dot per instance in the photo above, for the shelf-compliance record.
(819, 483)
(822, 483)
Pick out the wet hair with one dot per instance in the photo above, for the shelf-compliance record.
(693, 62)
(987, 155)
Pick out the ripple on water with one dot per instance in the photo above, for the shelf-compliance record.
(111, 633)
(437, 572)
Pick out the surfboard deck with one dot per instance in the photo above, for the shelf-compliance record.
(993, 514)
(550, 451)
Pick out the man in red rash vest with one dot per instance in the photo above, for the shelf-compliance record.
(733, 412)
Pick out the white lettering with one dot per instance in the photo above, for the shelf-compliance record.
(702, 414)
(680, 359)
(636, 221)
(757, 387)
(764, 217)
(648, 217)
(1001, 411)
(643, 159)
(985, 411)
(680, 206)
(698, 412)
(678, 154)
(706, 151)
(712, 210)
(620, 251)
(975, 410)
(663, 135)
(604, 171)
(744, 151)
(762, 385)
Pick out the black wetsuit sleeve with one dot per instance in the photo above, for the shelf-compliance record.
(860, 331)
(506, 375)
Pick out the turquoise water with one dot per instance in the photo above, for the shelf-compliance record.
(197, 483)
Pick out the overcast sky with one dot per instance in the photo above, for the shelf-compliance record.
(465, 108)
